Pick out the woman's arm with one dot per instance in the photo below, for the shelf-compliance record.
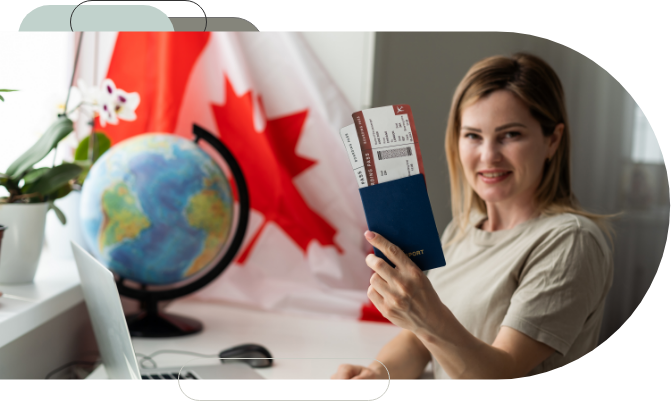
(405, 296)
(404, 356)
(463, 356)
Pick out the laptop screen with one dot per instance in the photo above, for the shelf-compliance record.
(107, 317)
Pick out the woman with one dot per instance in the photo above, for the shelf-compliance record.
(527, 271)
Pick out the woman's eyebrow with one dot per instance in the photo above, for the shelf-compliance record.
(502, 127)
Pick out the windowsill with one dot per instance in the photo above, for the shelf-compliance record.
(24, 307)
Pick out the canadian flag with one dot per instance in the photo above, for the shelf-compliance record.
(270, 101)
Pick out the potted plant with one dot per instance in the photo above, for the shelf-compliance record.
(33, 191)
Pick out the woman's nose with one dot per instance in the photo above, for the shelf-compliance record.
(490, 152)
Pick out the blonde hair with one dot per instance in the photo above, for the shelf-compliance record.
(534, 82)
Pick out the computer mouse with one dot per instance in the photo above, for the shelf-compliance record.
(248, 351)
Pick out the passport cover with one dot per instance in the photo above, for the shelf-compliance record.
(400, 211)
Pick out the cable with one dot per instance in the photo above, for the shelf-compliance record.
(67, 365)
(150, 358)
(142, 358)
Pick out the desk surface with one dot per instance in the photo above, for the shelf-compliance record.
(285, 336)
(23, 307)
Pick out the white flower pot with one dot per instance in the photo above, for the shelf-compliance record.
(22, 241)
(57, 235)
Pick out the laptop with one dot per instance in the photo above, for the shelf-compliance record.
(113, 338)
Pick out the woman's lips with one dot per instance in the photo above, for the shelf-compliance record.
(494, 176)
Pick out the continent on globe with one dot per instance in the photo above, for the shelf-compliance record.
(206, 211)
(121, 217)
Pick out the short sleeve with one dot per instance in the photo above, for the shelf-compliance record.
(564, 279)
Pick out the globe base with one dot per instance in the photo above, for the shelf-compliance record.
(160, 324)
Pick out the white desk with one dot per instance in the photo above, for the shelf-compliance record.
(35, 316)
(51, 310)
(285, 336)
(26, 306)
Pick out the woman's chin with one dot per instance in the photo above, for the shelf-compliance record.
(493, 196)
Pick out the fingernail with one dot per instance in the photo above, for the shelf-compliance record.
(369, 235)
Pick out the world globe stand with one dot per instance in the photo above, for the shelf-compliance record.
(150, 322)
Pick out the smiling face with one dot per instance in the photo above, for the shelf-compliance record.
(502, 148)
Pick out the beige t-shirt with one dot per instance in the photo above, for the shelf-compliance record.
(547, 278)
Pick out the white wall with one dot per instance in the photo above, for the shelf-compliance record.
(39, 66)
(348, 57)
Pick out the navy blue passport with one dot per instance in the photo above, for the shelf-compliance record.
(400, 211)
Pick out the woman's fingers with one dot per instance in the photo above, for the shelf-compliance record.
(355, 372)
(347, 371)
(380, 267)
(375, 297)
(391, 251)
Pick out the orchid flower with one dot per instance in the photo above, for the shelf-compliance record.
(107, 102)
(117, 104)
(107, 111)
(84, 97)
(125, 105)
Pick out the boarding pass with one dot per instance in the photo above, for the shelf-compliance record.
(382, 145)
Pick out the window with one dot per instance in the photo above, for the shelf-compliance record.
(39, 65)
(645, 148)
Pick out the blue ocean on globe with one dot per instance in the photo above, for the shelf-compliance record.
(156, 209)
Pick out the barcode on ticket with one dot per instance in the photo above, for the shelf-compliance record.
(393, 153)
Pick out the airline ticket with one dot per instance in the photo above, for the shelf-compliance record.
(382, 145)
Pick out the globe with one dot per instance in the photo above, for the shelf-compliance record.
(156, 209)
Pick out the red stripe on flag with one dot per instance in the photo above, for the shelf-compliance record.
(157, 65)
(370, 313)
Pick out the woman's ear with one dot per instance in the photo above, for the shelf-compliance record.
(555, 139)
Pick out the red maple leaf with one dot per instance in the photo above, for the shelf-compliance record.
(269, 163)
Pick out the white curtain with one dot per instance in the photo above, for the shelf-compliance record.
(617, 167)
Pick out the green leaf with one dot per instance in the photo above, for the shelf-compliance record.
(59, 212)
(6, 90)
(53, 179)
(61, 192)
(32, 175)
(86, 167)
(102, 143)
(49, 140)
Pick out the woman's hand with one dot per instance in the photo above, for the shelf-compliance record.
(403, 294)
(347, 371)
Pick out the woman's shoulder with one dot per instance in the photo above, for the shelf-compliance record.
(452, 230)
(574, 226)
(569, 221)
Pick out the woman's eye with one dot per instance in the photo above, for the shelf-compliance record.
(511, 134)
(471, 135)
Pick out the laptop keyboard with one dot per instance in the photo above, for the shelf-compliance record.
(169, 376)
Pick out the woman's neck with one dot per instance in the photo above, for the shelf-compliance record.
(506, 216)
